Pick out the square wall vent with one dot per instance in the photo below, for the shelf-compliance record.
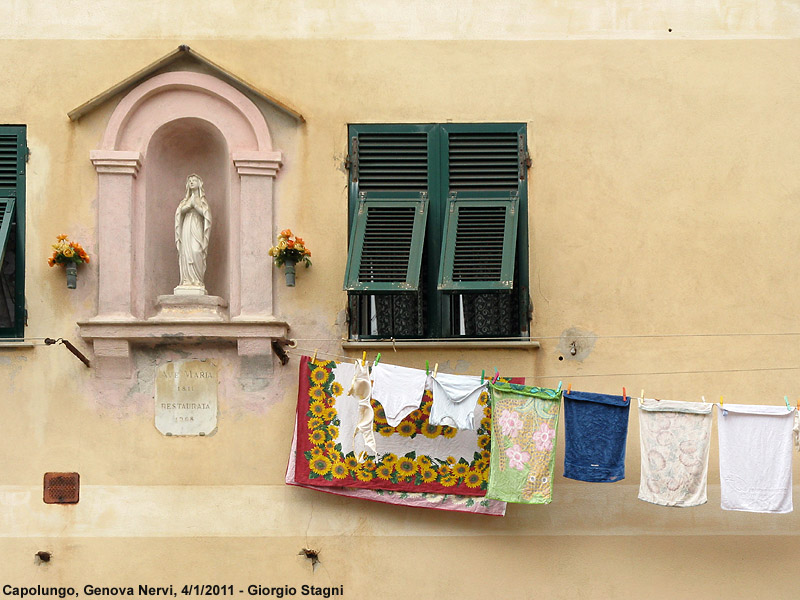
(62, 488)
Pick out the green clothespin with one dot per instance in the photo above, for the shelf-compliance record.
(427, 367)
(377, 359)
(483, 376)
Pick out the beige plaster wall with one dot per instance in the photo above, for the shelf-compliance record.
(663, 201)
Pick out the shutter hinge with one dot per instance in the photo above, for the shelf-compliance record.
(423, 201)
(27, 154)
(524, 158)
(514, 201)
(362, 200)
(451, 198)
(352, 159)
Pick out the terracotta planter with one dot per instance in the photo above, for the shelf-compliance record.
(72, 275)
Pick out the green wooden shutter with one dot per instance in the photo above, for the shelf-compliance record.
(480, 236)
(13, 152)
(386, 245)
(485, 174)
(389, 183)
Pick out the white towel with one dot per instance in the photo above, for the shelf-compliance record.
(674, 438)
(755, 458)
(398, 389)
(454, 400)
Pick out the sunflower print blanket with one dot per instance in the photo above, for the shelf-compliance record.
(415, 456)
(448, 502)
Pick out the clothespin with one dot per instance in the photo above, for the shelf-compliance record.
(798, 405)
(314, 358)
(641, 397)
(704, 399)
(569, 388)
(427, 368)
(377, 359)
(364, 359)
(483, 376)
(436, 370)
(496, 375)
(558, 389)
(720, 401)
(624, 396)
(788, 406)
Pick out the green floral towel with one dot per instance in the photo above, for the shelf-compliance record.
(524, 425)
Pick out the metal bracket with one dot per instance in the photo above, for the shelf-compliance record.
(362, 199)
(71, 348)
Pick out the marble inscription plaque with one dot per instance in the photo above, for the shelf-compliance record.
(186, 398)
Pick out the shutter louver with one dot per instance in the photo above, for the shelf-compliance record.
(393, 162)
(484, 161)
(386, 245)
(479, 242)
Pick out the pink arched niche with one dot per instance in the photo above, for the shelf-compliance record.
(167, 127)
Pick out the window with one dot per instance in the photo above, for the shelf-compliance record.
(438, 231)
(13, 152)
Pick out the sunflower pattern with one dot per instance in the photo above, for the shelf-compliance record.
(326, 460)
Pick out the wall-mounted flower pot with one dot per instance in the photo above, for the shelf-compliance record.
(72, 275)
(290, 273)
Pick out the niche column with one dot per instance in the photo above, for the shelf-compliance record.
(257, 172)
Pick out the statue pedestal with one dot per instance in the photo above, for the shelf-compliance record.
(189, 290)
(187, 306)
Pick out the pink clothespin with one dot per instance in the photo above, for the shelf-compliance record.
(624, 396)
(496, 375)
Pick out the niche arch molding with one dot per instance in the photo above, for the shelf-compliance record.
(135, 192)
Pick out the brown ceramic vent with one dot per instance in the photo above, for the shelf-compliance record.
(61, 488)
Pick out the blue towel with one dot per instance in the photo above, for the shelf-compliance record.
(596, 431)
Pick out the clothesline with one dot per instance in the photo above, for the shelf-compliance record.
(569, 336)
(305, 351)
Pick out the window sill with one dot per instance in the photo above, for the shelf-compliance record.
(439, 343)
(16, 345)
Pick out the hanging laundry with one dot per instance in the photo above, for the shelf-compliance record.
(755, 457)
(361, 390)
(398, 389)
(675, 438)
(454, 400)
(524, 425)
(415, 456)
(595, 435)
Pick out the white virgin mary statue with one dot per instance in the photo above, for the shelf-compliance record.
(192, 231)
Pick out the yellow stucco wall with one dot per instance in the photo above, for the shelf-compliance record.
(663, 199)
